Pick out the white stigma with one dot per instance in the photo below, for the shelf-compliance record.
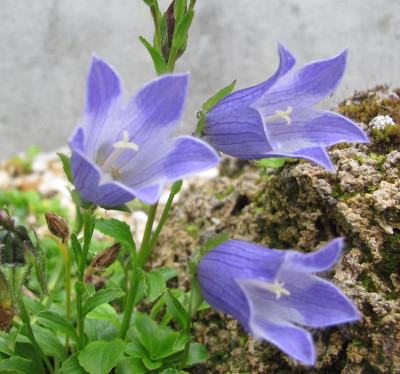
(275, 287)
(281, 114)
(106, 165)
(125, 143)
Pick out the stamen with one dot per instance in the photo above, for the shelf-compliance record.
(281, 114)
(125, 143)
(275, 287)
(115, 172)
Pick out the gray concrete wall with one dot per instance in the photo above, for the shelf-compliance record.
(46, 46)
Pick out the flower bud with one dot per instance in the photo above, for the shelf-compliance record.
(58, 226)
(6, 221)
(107, 257)
(6, 306)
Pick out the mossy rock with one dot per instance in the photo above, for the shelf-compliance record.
(302, 206)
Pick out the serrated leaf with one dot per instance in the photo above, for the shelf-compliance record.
(18, 365)
(181, 31)
(105, 312)
(176, 309)
(155, 285)
(72, 366)
(66, 161)
(57, 322)
(130, 365)
(84, 288)
(116, 229)
(166, 345)
(167, 272)
(136, 350)
(101, 297)
(100, 357)
(197, 353)
(213, 100)
(158, 61)
(219, 239)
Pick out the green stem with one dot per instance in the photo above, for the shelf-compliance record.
(38, 351)
(172, 59)
(143, 251)
(137, 263)
(157, 34)
(81, 271)
(192, 312)
(149, 247)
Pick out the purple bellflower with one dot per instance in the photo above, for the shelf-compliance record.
(275, 118)
(121, 152)
(271, 292)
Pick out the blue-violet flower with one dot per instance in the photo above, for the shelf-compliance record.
(275, 118)
(121, 152)
(272, 292)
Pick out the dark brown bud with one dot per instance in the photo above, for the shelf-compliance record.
(6, 318)
(107, 257)
(6, 221)
(57, 225)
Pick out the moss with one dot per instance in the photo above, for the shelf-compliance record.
(387, 139)
(393, 295)
(379, 158)
(367, 282)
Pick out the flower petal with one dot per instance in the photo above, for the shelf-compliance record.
(157, 108)
(319, 302)
(294, 341)
(103, 86)
(320, 260)
(305, 86)
(167, 162)
(237, 133)
(312, 128)
(247, 95)
(86, 177)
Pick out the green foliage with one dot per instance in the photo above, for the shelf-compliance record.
(117, 229)
(101, 297)
(158, 61)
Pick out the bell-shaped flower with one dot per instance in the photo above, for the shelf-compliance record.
(273, 292)
(121, 152)
(275, 118)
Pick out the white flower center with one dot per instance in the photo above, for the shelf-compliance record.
(280, 114)
(106, 165)
(275, 287)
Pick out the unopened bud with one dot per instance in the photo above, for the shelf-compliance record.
(57, 225)
(107, 257)
(6, 221)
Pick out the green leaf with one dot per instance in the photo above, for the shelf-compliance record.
(152, 365)
(197, 353)
(84, 287)
(181, 31)
(179, 9)
(76, 248)
(66, 161)
(34, 306)
(141, 288)
(72, 366)
(101, 297)
(57, 322)
(150, 2)
(136, 350)
(196, 295)
(100, 357)
(213, 100)
(219, 239)
(105, 312)
(167, 272)
(155, 285)
(158, 61)
(120, 208)
(49, 343)
(17, 365)
(273, 162)
(130, 365)
(116, 229)
(176, 309)
(148, 333)
(166, 345)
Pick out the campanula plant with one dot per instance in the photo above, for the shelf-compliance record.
(276, 118)
(122, 151)
(273, 292)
